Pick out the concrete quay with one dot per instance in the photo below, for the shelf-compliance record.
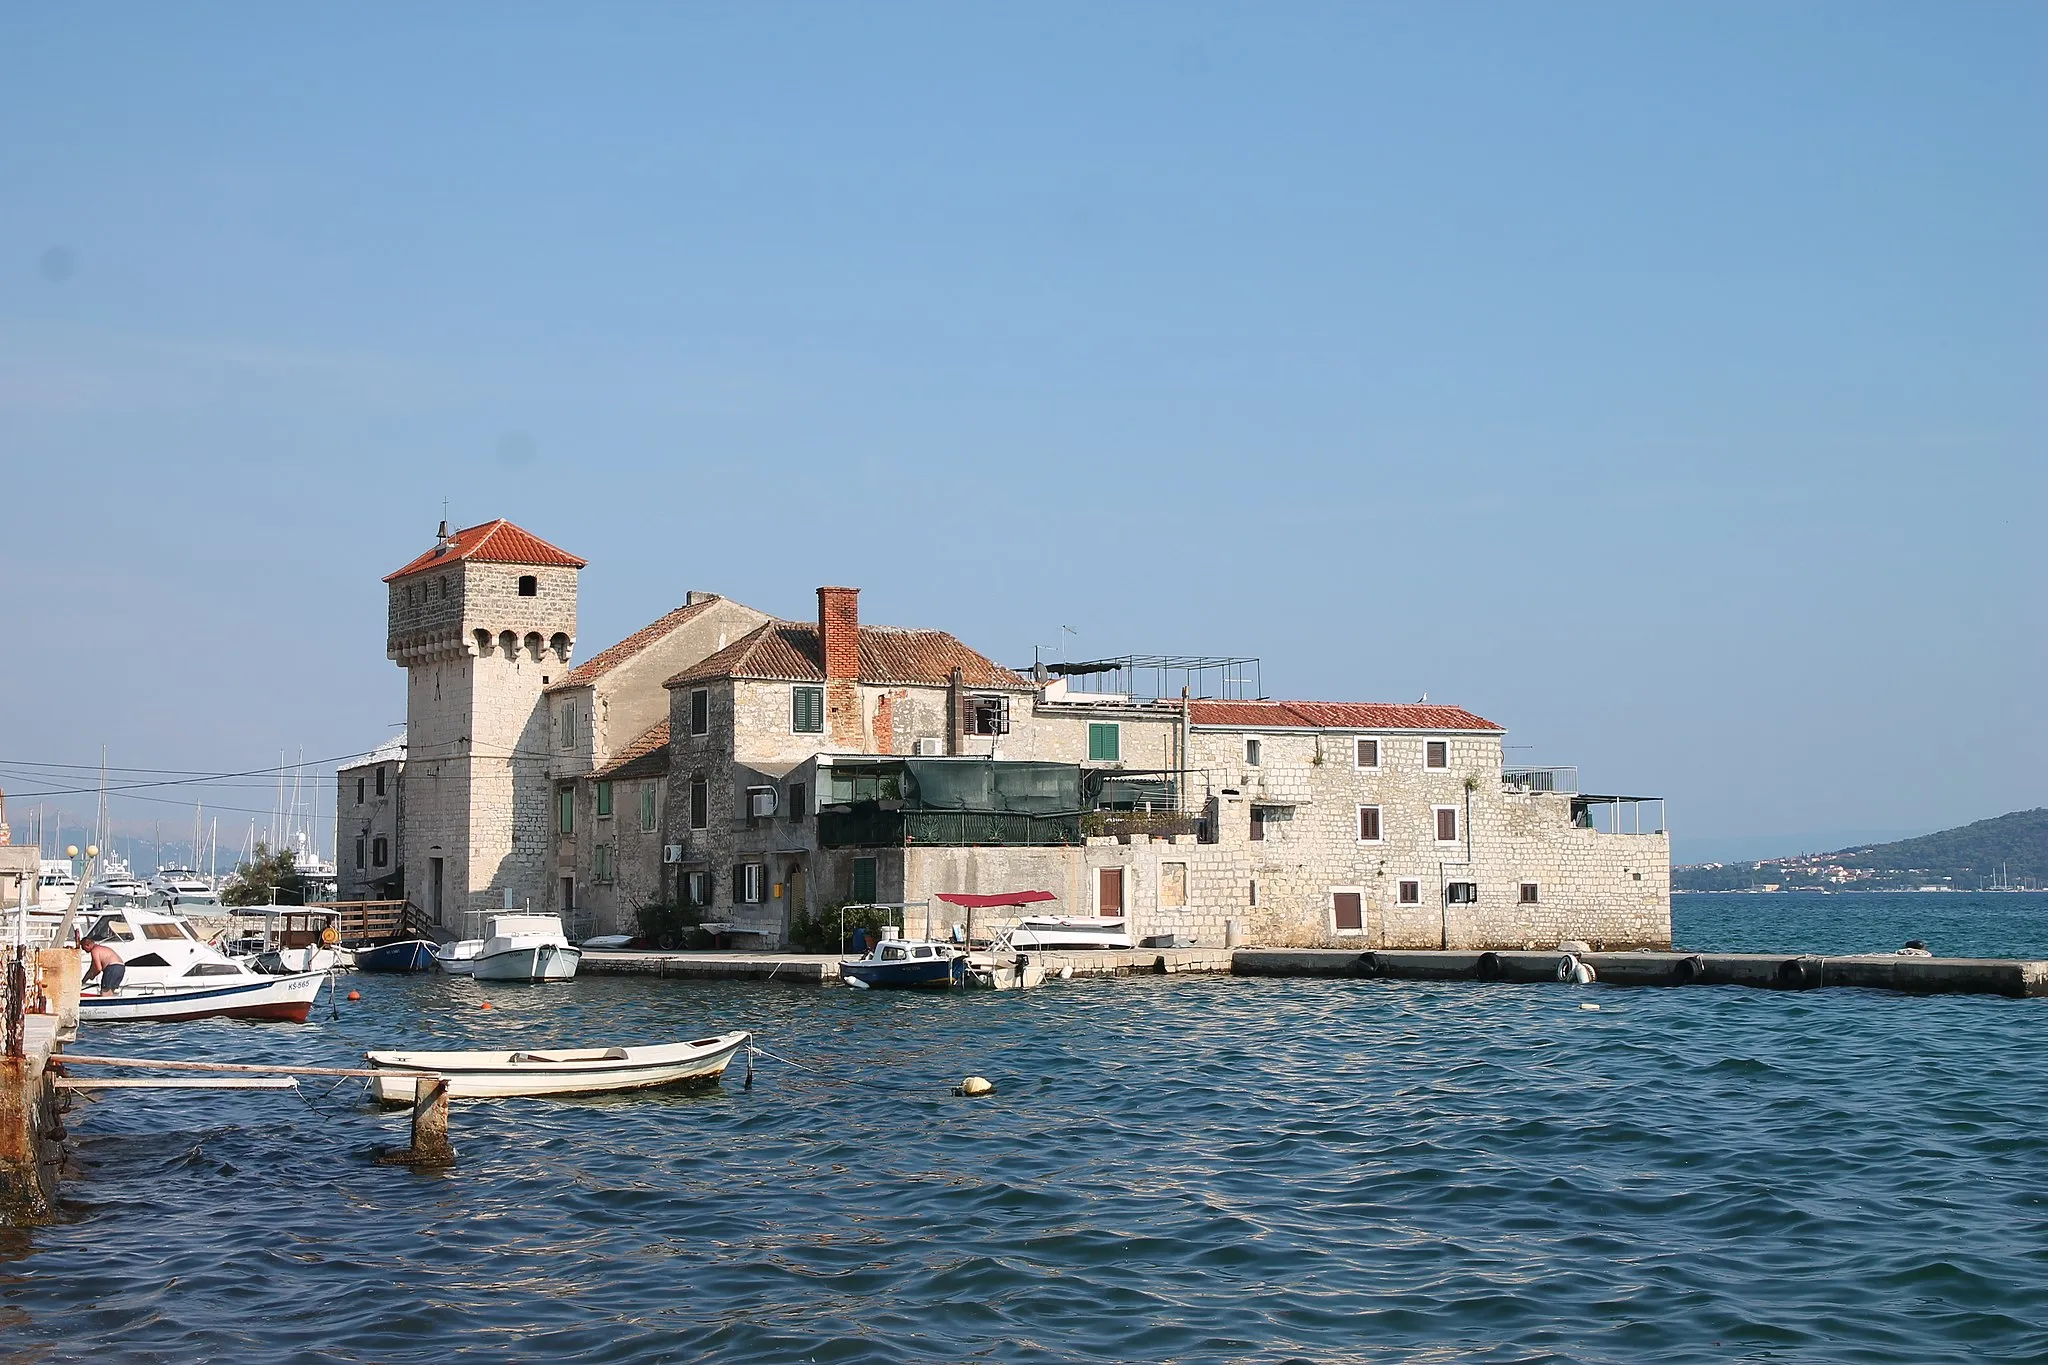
(31, 1122)
(819, 969)
(1775, 971)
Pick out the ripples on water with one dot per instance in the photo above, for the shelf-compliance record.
(1173, 1169)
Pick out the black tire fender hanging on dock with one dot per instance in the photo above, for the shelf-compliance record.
(1691, 969)
(1488, 967)
(1798, 973)
(1368, 964)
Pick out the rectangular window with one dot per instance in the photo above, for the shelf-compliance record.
(569, 726)
(700, 804)
(807, 710)
(700, 711)
(1105, 742)
(1462, 893)
(647, 804)
(1436, 754)
(380, 852)
(1410, 892)
(749, 883)
(565, 809)
(362, 846)
(1368, 824)
(697, 888)
(1251, 753)
(529, 586)
(1173, 886)
(359, 791)
(601, 862)
(988, 716)
(1258, 824)
(604, 800)
(1368, 754)
(1254, 897)
(1447, 824)
(1529, 893)
(1109, 891)
(1348, 911)
(568, 893)
(797, 798)
(863, 881)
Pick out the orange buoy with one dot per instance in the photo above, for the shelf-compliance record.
(355, 995)
(486, 1005)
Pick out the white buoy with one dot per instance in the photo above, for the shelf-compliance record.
(1589, 1006)
(856, 983)
(975, 1085)
(1067, 972)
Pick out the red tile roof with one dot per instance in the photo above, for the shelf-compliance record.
(597, 665)
(646, 756)
(789, 650)
(496, 542)
(1334, 715)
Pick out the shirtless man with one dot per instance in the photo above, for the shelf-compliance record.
(106, 964)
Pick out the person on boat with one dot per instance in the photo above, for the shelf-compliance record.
(106, 965)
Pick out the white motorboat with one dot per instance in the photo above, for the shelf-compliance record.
(296, 938)
(117, 886)
(55, 885)
(524, 947)
(179, 888)
(172, 974)
(1071, 931)
(553, 1071)
(996, 970)
(459, 957)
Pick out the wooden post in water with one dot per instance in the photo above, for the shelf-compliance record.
(430, 1146)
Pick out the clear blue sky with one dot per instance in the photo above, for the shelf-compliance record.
(1663, 382)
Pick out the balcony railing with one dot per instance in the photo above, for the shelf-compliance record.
(1562, 779)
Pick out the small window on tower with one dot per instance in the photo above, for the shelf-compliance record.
(529, 586)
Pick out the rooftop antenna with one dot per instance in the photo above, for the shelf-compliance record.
(1065, 631)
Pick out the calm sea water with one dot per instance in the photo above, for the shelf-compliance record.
(1189, 1169)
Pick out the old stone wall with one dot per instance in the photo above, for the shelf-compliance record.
(361, 817)
(610, 904)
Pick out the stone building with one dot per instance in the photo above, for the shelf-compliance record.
(369, 825)
(755, 769)
(608, 760)
(482, 623)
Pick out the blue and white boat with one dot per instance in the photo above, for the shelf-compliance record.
(901, 963)
(399, 955)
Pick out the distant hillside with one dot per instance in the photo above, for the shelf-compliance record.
(2011, 847)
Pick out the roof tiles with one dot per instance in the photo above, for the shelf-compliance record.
(496, 542)
(646, 756)
(597, 665)
(789, 651)
(1335, 715)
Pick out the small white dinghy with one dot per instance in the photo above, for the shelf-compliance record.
(553, 1071)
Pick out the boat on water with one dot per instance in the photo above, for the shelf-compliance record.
(1002, 965)
(173, 974)
(116, 886)
(905, 964)
(55, 885)
(296, 938)
(525, 947)
(1062, 932)
(553, 1071)
(458, 958)
(177, 888)
(397, 955)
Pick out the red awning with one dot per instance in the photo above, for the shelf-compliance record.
(962, 898)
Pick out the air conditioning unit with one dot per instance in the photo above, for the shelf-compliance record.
(671, 853)
(931, 748)
(761, 802)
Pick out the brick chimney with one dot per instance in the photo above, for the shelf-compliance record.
(839, 632)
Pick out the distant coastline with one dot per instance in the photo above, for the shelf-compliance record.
(2008, 853)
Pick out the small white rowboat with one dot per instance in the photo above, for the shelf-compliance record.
(553, 1071)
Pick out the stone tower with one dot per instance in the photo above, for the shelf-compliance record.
(481, 624)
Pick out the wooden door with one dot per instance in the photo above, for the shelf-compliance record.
(1109, 887)
(1350, 910)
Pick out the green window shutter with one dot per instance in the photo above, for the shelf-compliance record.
(807, 710)
(864, 880)
(1105, 742)
(565, 800)
(647, 805)
(604, 798)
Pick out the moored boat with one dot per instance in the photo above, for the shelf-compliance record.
(399, 955)
(900, 963)
(458, 958)
(1071, 931)
(524, 947)
(553, 1071)
(169, 973)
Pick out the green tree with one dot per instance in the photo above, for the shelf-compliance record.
(252, 882)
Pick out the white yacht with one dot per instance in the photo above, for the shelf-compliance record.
(522, 947)
(182, 888)
(117, 886)
(55, 885)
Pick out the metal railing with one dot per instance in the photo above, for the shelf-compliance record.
(1553, 779)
